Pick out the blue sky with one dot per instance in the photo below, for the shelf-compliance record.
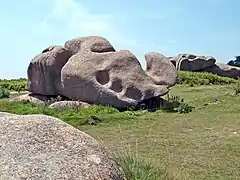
(204, 27)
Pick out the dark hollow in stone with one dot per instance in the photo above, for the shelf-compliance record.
(134, 93)
(102, 77)
(116, 85)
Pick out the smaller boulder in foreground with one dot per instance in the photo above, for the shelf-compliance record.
(40, 147)
(31, 98)
(63, 105)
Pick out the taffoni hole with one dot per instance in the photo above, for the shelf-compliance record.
(116, 85)
(102, 77)
(133, 93)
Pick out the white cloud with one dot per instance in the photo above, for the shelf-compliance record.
(77, 20)
(70, 18)
(77, 17)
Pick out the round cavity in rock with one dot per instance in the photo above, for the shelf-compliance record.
(116, 85)
(133, 93)
(102, 77)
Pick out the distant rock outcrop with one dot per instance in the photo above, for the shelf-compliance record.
(40, 147)
(224, 70)
(190, 62)
(88, 69)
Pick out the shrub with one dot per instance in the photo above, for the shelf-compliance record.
(14, 84)
(235, 62)
(136, 168)
(176, 104)
(236, 87)
(4, 93)
(202, 78)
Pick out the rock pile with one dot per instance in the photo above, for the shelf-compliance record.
(191, 62)
(90, 70)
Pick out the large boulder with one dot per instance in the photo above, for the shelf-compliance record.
(224, 70)
(40, 147)
(160, 69)
(44, 71)
(191, 62)
(90, 70)
(98, 74)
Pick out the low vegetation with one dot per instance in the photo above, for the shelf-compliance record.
(236, 87)
(14, 84)
(172, 104)
(136, 168)
(202, 78)
(4, 93)
(176, 104)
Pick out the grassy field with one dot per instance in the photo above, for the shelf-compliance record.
(203, 144)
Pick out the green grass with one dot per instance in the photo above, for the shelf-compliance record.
(203, 144)
(136, 168)
(202, 78)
